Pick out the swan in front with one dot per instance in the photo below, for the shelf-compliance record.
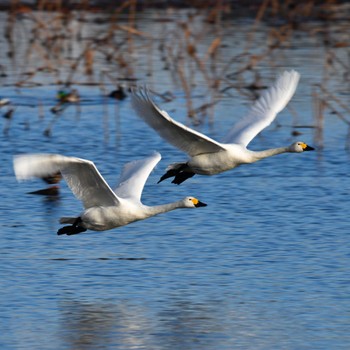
(207, 156)
(104, 208)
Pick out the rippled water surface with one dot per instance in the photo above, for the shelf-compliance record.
(264, 266)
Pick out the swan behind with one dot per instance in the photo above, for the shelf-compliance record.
(207, 156)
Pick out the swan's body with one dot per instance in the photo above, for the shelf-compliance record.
(207, 156)
(104, 208)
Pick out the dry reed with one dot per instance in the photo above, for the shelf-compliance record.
(57, 46)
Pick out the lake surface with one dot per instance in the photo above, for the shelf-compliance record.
(264, 266)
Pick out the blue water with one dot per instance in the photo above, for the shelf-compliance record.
(264, 266)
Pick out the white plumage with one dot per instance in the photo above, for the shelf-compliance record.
(104, 208)
(207, 156)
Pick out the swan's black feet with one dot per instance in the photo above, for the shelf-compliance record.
(169, 173)
(70, 230)
(73, 229)
(181, 177)
(180, 171)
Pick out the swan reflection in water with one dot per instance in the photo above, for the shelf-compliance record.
(129, 324)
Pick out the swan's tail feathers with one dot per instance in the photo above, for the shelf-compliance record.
(68, 220)
(180, 172)
(71, 230)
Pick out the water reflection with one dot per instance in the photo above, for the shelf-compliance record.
(276, 226)
(95, 325)
(87, 325)
(185, 323)
(179, 324)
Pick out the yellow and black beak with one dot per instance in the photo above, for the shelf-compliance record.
(200, 204)
(308, 148)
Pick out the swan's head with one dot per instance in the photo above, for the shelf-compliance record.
(191, 202)
(298, 147)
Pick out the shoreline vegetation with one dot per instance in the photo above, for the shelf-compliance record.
(47, 44)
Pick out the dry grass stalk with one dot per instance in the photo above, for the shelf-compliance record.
(319, 106)
(186, 55)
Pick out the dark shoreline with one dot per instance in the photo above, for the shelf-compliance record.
(314, 10)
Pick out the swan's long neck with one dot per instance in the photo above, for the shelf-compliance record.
(163, 208)
(269, 152)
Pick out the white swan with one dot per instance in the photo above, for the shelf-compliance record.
(104, 209)
(207, 156)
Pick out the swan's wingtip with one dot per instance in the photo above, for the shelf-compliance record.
(139, 90)
(295, 73)
(140, 94)
(290, 73)
(288, 79)
(157, 155)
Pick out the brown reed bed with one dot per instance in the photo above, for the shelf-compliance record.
(99, 43)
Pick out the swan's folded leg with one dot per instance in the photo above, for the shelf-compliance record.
(169, 173)
(174, 170)
(72, 230)
(182, 176)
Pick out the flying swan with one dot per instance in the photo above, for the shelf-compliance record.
(207, 156)
(104, 208)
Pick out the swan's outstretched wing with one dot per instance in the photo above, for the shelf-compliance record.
(134, 176)
(265, 109)
(179, 135)
(81, 175)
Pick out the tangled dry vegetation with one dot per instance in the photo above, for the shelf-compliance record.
(51, 43)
